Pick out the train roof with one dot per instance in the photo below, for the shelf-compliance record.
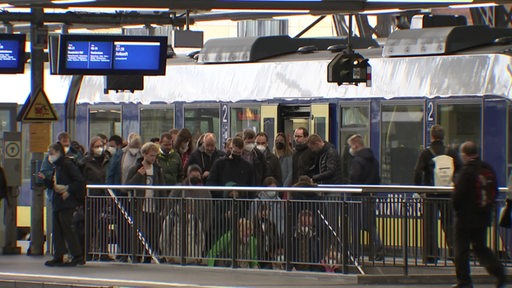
(473, 70)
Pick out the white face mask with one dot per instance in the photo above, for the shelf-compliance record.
(271, 194)
(98, 151)
(112, 150)
(280, 258)
(352, 152)
(249, 146)
(66, 150)
(133, 151)
(331, 261)
(53, 158)
(262, 148)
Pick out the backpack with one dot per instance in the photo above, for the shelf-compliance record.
(486, 188)
(443, 169)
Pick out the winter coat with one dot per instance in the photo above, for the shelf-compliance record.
(364, 168)
(170, 239)
(273, 166)
(203, 160)
(236, 170)
(171, 167)
(303, 162)
(467, 214)
(328, 165)
(94, 170)
(66, 173)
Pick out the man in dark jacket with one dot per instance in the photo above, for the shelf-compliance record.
(232, 169)
(205, 155)
(471, 222)
(364, 169)
(303, 157)
(273, 164)
(424, 175)
(327, 161)
(68, 185)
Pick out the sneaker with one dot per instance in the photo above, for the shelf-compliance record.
(54, 263)
(470, 285)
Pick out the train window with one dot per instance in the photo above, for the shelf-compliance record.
(355, 119)
(243, 118)
(154, 121)
(202, 119)
(460, 122)
(105, 120)
(401, 142)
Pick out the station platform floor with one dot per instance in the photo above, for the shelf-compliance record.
(29, 271)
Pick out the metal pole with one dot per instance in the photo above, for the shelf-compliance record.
(37, 44)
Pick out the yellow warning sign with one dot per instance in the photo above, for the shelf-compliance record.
(39, 109)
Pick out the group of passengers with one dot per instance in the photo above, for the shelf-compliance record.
(256, 226)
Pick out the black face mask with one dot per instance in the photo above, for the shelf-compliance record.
(280, 145)
(195, 181)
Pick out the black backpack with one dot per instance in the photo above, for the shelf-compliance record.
(486, 188)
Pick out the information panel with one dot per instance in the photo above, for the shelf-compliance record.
(112, 54)
(12, 53)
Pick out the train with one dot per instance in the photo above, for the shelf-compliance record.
(459, 77)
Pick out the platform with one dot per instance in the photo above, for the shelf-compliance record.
(29, 271)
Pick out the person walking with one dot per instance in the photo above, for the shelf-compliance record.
(471, 221)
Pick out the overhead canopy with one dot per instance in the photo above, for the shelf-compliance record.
(317, 5)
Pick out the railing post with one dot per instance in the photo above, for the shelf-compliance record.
(183, 229)
(288, 234)
(405, 235)
(234, 233)
(344, 235)
(135, 219)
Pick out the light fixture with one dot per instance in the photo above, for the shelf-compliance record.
(60, 2)
(475, 5)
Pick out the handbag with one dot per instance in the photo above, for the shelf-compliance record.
(505, 215)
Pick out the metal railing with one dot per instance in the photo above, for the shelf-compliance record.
(344, 229)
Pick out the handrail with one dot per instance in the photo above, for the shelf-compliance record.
(319, 188)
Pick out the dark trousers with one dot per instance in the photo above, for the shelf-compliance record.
(477, 237)
(65, 234)
(433, 208)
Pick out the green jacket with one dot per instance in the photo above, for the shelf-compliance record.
(223, 247)
(171, 167)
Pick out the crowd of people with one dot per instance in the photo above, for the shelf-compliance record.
(245, 160)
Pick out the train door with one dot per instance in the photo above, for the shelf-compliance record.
(202, 118)
(354, 119)
(291, 117)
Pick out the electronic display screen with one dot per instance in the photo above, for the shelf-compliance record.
(112, 54)
(12, 53)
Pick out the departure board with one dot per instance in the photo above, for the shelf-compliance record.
(108, 54)
(12, 53)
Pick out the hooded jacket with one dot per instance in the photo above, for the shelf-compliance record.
(364, 168)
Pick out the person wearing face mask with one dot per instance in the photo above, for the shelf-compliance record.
(272, 163)
(115, 145)
(273, 201)
(206, 154)
(305, 242)
(202, 211)
(284, 153)
(130, 155)
(170, 161)
(303, 159)
(68, 185)
(364, 169)
(94, 169)
(255, 157)
(231, 169)
(72, 149)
